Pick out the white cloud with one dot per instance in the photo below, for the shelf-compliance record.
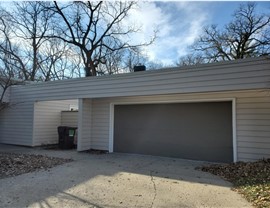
(179, 24)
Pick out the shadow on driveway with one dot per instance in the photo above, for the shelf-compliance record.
(116, 180)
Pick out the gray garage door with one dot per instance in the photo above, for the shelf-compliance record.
(199, 131)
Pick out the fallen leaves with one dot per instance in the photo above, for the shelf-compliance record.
(251, 179)
(15, 164)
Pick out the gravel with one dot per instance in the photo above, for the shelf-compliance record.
(12, 164)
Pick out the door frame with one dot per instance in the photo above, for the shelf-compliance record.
(233, 100)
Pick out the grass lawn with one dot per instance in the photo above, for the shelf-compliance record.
(250, 179)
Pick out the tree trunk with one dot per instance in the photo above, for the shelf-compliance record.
(35, 61)
(90, 68)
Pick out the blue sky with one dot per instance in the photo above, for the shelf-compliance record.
(180, 23)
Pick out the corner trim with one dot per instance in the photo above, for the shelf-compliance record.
(234, 127)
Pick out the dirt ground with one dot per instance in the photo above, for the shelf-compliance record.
(16, 164)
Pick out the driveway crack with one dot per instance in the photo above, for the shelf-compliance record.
(155, 188)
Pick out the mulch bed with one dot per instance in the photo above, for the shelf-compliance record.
(12, 164)
(251, 179)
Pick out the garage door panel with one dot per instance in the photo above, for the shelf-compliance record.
(201, 131)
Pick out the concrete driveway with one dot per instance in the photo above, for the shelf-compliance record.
(116, 180)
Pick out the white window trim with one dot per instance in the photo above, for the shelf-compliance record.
(233, 100)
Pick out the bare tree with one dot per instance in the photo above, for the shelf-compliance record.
(190, 59)
(8, 74)
(30, 23)
(24, 28)
(134, 58)
(122, 61)
(6, 81)
(247, 35)
(9, 51)
(113, 64)
(125, 60)
(9, 64)
(95, 29)
(58, 61)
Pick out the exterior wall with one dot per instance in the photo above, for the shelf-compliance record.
(16, 124)
(252, 119)
(84, 125)
(69, 118)
(209, 81)
(47, 117)
(100, 124)
(225, 76)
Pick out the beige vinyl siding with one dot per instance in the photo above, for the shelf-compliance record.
(225, 76)
(253, 130)
(253, 125)
(84, 124)
(47, 118)
(69, 118)
(100, 124)
(241, 79)
(16, 124)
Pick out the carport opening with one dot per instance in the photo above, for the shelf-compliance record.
(48, 116)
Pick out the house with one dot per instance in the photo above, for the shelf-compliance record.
(214, 112)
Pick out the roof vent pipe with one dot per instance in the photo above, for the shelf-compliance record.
(139, 68)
